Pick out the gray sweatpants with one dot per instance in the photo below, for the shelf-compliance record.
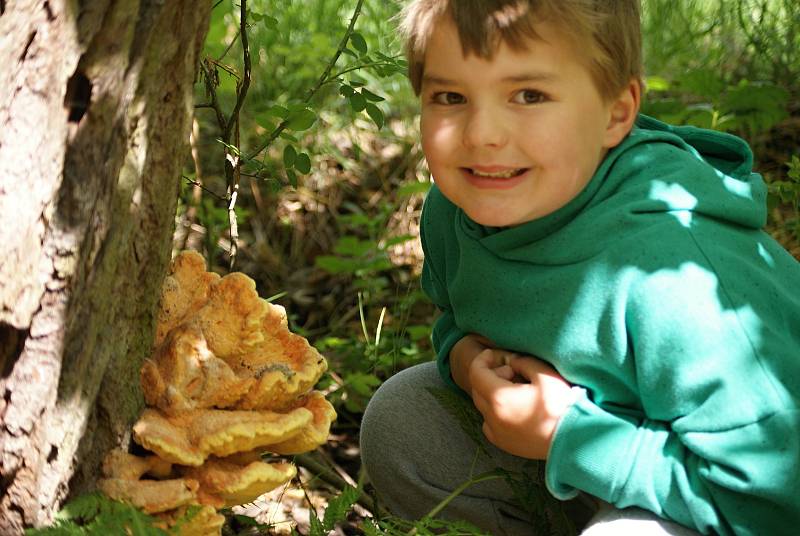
(416, 453)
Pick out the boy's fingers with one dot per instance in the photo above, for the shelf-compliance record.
(528, 367)
(485, 379)
(505, 372)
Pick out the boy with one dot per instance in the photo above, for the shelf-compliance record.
(609, 302)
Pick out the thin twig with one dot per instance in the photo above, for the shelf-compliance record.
(230, 46)
(342, 45)
(195, 183)
(357, 67)
(227, 68)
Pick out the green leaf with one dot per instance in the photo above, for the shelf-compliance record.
(315, 525)
(336, 265)
(289, 156)
(353, 247)
(303, 163)
(358, 42)
(346, 90)
(402, 239)
(292, 176)
(414, 188)
(357, 102)
(362, 384)
(288, 137)
(338, 507)
(301, 120)
(375, 114)
(355, 81)
(270, 22)
(656, 83)
(370, 96)
(263, 122)
(794, 168)
(277, 110)
(349, 52)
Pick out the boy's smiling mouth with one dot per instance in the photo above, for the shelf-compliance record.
(494, 177)
(501, 174)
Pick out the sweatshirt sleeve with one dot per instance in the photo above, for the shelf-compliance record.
(716, 445)
(445, 331)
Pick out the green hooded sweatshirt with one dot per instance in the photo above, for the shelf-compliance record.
(657, 294)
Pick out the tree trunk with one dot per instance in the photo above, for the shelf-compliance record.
(95, 108)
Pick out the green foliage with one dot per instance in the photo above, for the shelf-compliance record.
(362, 363)
(293, 79)
(705, 101)
(787, 192)
(335, 513)
(96, 514)
(393, 526)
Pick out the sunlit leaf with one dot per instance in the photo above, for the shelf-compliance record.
(656, 83)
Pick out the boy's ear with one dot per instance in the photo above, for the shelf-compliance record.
(622, 113)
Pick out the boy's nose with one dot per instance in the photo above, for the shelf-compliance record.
(484, 129)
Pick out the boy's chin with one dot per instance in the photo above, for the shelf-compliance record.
(496, 219)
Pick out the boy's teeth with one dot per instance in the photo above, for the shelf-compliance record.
(499, 175)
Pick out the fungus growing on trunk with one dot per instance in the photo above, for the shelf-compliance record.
(226, 382)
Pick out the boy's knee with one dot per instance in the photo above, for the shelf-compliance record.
(389, 421)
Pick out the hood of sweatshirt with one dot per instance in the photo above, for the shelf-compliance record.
(658, 168)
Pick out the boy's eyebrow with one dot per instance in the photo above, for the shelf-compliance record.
(531, 77)
(521, 77)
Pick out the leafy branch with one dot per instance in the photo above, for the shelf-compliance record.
(313, 91)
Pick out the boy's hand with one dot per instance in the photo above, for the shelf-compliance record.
(519, 418)
(461, 356)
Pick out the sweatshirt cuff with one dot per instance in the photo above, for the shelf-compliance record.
(443, 357)
(592, 451)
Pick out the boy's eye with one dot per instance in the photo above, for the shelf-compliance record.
(529, 96)
(448, 97)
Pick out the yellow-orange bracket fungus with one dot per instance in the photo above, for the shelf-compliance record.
(226, 382)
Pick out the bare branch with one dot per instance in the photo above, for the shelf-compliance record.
(199, 185)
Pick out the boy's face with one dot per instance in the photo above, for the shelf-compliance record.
(514, 138)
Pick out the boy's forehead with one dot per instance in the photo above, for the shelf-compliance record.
(445, 36)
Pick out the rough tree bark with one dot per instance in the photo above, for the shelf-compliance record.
(95, 108)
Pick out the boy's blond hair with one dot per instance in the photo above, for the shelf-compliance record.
(608, 30)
